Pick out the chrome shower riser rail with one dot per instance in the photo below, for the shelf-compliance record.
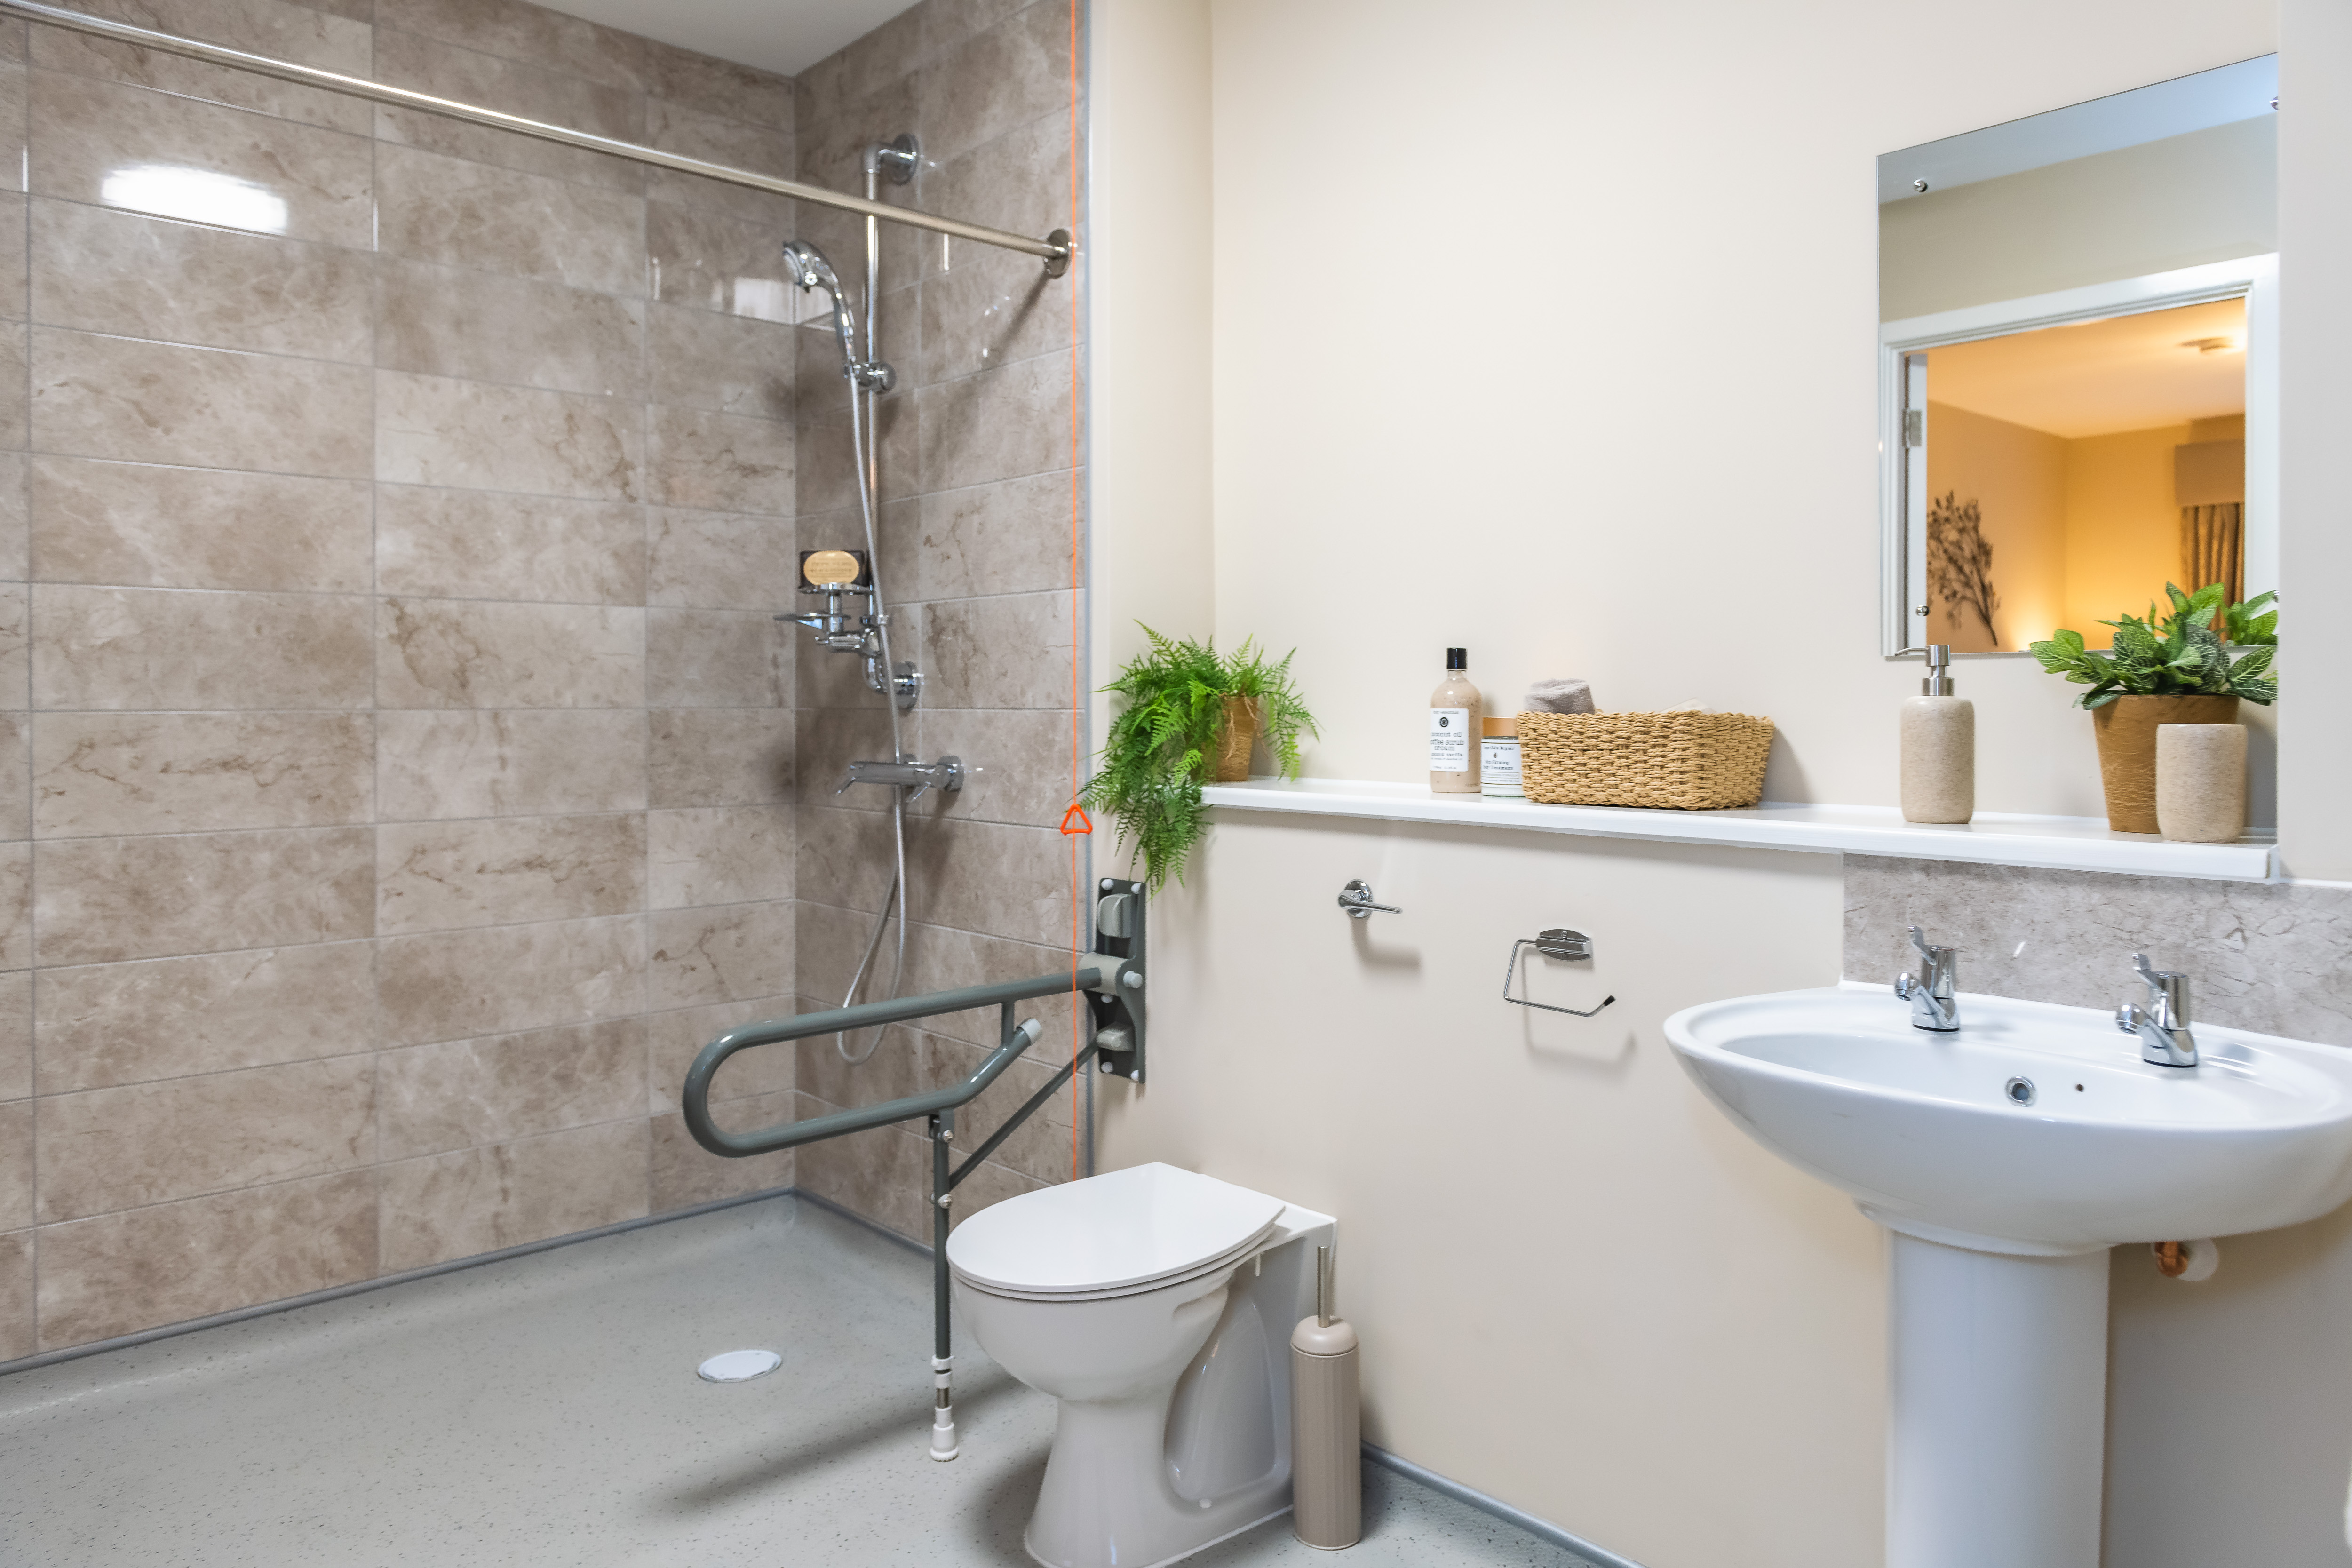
(1056, 250)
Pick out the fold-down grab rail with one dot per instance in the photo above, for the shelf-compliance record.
(1111, 977)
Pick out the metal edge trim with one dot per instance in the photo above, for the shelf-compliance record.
(1543, 1530)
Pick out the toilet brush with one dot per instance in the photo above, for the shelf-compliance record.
(1327, 1460)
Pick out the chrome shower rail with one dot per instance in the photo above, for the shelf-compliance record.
(1056, 248)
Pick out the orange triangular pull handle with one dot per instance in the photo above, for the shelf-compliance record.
(1075, 819)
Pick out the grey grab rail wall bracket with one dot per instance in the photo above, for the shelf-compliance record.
(1556, 942)
(1110, 976)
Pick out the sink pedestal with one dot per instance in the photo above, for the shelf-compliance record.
(1997, 1445)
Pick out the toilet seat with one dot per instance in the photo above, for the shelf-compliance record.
(1119, 1233)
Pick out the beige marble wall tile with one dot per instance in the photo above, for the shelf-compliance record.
(723, 559)
(158, 402)
(520, 31)
(433, 431)
(17, 1175)
(993, 308)
(274, 175)
(719, 855)
(912, 1062)
(101, 271)
(717, 87)
(729, 363)
(1019, 181)
(112, 1024)
(15, 408)
(15, 1035)
(720, 462)
(18, 1333)
(16, 289)
(306, 34)
(686, 1173)
(704, 955)
(1004, 77)
(1022, 763)
(15, 906)
(845, 856)
(16, 645)
(107, 1149)
(830, 738)
(830, 941)
(123, 1273)
(999, 425)
(1010, 537)
(673, 1039)
(989, 1186)
(454, 653)
(463, 214)
(708, 261)
(142, 648)
(455, 985)
(452, 321)
(141, 526)
(15, 90)
(1013, 651)
(508, 871)
(555, 97)
(721, 756)
(479, 1200)
(102, 900)
(2266, 957)
(15, 776)
(16, 521)
(947, 23)
(509, 763)
(518, 764)
(112, 774)
(695, 132)
(823, 679)
(883, 1174)
(466, 544)
(716, 659)
(1008, 882)
(461, 1094)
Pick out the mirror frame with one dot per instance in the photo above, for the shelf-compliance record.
(1903, 566)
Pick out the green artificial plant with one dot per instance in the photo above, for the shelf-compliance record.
(1160, 747)
(2179, 656)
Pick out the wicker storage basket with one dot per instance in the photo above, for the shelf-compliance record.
(1689, 762)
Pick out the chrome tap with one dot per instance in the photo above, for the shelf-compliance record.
(2163, 1024)
(1933, 1006)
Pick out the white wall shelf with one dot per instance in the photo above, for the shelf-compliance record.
(2050, 843)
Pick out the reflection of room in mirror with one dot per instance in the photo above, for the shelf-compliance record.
(2074, 471)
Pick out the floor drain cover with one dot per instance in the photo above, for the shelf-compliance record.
(738, 1367)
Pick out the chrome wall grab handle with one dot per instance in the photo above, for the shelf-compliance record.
(1356, 898)
(1553, 942)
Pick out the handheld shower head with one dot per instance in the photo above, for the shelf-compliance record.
(809, 269)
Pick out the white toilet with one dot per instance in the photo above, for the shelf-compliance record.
(1156, 1306)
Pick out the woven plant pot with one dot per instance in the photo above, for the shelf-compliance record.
(1680, 762)
(2125, 729)
(1233, 745)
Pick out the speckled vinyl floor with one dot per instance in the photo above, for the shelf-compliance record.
(544, 1410)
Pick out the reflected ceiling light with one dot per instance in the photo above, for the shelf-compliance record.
(199, 196)
(2215, 345)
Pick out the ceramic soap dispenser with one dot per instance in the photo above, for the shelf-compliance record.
(1939, 747)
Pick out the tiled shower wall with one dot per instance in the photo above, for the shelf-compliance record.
(980, 477)
(398, 786)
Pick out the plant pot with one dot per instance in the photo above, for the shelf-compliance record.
(1241, 728)
(2127, 734)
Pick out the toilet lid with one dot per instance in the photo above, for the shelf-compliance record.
(1122, 1228)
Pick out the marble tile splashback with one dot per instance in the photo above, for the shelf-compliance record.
(979, 482)
(2266, 957)
(396, 752)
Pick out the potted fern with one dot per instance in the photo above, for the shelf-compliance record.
(1191, 713)
(2172, 671)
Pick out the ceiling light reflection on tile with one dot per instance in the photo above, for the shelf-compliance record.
(199, 196)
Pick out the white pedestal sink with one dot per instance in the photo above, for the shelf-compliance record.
(2004, 1203)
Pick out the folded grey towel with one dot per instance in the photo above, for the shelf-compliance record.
(1564, 695)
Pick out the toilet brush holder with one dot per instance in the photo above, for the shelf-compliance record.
(1326, 1441)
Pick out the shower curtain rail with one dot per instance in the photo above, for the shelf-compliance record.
(1055, 249)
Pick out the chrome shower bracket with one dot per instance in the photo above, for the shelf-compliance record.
(897, 158)
(905, 682)
(1555, 942)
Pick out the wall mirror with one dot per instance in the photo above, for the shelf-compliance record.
(2078, 363)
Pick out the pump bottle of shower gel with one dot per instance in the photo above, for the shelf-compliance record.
(1455, 709)
(1939, 747)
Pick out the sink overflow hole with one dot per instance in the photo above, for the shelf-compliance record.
(2020, 1090)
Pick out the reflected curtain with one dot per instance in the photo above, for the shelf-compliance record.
(2213, 547)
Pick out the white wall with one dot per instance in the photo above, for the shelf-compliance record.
(1552, 334)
